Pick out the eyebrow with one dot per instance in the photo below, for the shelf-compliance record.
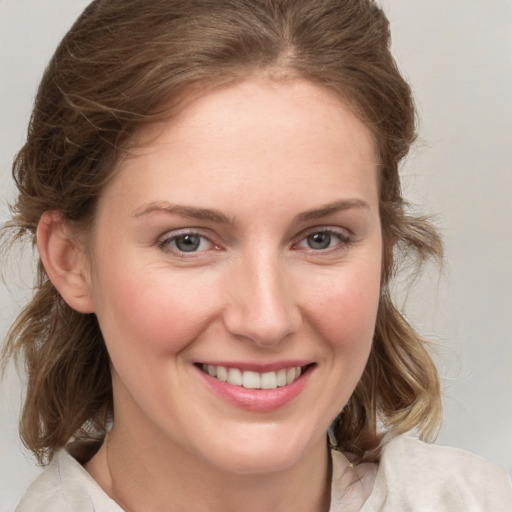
(185, 211)
(331, 208)
(221, 218)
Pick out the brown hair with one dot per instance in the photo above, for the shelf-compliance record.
(121, 62)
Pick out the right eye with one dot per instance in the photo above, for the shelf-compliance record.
(184, 243)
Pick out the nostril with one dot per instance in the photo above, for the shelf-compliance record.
(261, 306)
(262, 328)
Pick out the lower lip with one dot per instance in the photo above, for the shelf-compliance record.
(257, 400)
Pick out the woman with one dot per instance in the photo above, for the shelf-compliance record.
(213, 190)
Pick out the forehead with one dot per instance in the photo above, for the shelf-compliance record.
(256, 101)
(255, 133)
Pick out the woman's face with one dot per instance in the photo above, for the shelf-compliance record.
(235, 272)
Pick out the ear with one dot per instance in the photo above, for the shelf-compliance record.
(65, 261)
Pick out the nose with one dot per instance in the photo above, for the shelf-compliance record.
(262, 306)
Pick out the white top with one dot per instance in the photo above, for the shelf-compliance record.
(411, 477)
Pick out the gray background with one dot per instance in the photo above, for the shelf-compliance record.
(458, 56)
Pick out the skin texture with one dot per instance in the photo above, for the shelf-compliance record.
(260, 155)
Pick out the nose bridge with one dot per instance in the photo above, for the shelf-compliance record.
(262, 305)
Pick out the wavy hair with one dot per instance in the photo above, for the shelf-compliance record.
(127, 63)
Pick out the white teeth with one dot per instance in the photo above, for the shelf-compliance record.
(235, 376)
(254, 380)
(222, 373)
(251, 380)
(290, 375)
(269, 380)
(281, 377)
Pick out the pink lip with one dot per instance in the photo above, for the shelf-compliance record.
(257, 400)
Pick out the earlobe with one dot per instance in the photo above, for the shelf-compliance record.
(64, 260)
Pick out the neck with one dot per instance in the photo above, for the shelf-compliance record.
(152, 476)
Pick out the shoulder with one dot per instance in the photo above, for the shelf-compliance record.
(64, 486)
(417, 476)
(45, 492)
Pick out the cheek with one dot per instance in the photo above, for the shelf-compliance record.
(346, 312)
(151, 316)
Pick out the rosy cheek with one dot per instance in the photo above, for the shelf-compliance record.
(160, 315)
(349, 312)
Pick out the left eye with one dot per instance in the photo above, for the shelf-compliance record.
(321, 240)
(186, 243)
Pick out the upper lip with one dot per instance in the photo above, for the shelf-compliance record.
(258, 367)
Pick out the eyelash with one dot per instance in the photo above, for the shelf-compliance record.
(344, 240)
(165, 243)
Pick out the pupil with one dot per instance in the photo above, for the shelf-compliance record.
(319, 240)
(187, 243)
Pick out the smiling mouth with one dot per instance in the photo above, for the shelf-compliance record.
(255, 380)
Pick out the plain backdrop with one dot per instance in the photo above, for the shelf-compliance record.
(457, 54)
